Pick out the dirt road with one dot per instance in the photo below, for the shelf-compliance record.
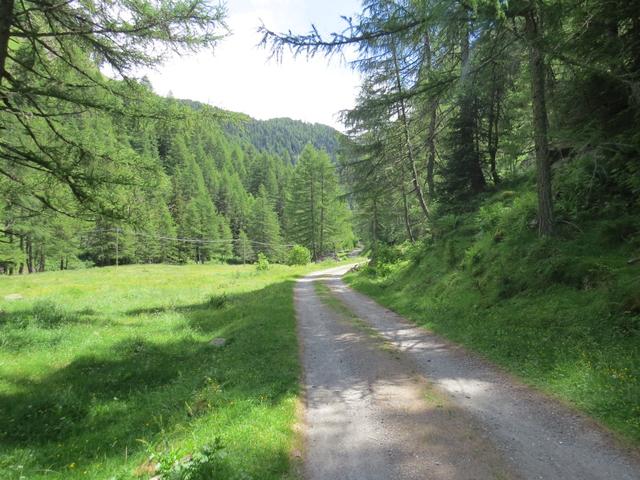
(388, 400)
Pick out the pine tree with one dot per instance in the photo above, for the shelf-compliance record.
(224, 249)
(243, 249)
(264, 229)
(315, 215)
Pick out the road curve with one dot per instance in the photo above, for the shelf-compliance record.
(388, 400)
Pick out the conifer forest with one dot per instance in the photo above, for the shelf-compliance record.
(191, 293)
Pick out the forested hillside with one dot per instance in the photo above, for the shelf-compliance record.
(496, 170)
(194, 193)
(459, 96)
(285, 137)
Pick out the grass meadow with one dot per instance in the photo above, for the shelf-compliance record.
(109, 373)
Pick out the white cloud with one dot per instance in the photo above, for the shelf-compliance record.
(238, 76)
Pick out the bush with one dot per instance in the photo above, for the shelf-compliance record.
(262, 264)
(209, 462)
(388, 254)
(299, 255)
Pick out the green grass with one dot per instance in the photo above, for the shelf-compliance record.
(102, 370)
(562, 313)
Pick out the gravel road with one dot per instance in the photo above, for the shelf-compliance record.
(388, 400)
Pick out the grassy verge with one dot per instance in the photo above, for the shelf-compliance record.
(562, 313)
(105, 373)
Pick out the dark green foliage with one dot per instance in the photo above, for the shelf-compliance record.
(285, 137)
(99, 170)
(264, 228)
(460, 96)
(59, 112)
(243, 249)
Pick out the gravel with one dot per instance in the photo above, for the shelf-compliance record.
(371, 412)
(369, 415)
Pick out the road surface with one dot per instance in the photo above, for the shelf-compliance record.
(385, 399)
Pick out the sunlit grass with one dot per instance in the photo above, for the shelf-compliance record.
(104, 369)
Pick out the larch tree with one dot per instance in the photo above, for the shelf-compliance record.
(263, 228)
(52, 59)
(315, 212)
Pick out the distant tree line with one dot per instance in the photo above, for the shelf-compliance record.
(285, 137)
(95, 169)
(204, 196)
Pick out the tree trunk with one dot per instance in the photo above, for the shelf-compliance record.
(21, 267)
(405, 207)
(374, 232)
(433, 121)
(468, 116)
(321, 213)
(431, 145)
(407, 136)
(540, 124)
(405, 210)
(314, 249)
(118, 247)
(6, 18)
(41, 259)
(29, 252)
(493, 131)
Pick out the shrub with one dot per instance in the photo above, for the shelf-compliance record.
(208, 463)
(299, 255)
(262, 264)
(388, 254)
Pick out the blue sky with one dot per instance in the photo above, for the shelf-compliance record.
(239, 77)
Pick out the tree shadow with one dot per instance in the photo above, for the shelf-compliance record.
(104, 403)
(48, 315)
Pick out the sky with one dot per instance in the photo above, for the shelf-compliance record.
(239, 76)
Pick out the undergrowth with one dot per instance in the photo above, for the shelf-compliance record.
(563, 312)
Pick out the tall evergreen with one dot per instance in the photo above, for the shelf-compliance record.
(264, 229)
(243, 249)
(315, 214)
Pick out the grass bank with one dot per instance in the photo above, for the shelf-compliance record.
(105, 373)
(562, 313)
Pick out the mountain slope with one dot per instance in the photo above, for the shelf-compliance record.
(286, 137)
